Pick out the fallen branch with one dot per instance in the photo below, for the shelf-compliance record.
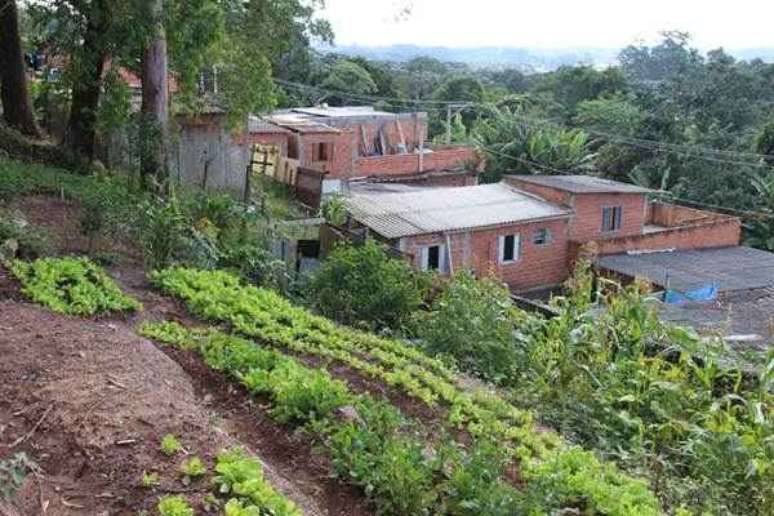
(34, 429)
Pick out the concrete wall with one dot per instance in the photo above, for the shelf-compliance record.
(478, 250)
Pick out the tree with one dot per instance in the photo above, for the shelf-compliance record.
(473, 322)
(348, 77)
(513, 141)
(154, 109)
(362, 285)
(764, 143)
(17, 109)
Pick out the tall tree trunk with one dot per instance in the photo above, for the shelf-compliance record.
(82, 127)
(154, 111)
(17, 110)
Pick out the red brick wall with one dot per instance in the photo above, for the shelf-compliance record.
(400, 164)
(587, 222)
(414, 131)
(478, 251)
(339, 164)
(278, 139)
(544, 192)
(716, 233)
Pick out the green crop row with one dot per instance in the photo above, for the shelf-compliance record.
(545, 460)
(374, 447)
(73, 286)
(241, 477)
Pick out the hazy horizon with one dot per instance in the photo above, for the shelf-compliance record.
(558, 25)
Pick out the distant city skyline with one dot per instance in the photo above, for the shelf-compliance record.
(550, 24)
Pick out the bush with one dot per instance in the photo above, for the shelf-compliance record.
(73, 286)
(472, 321)
(19, 239)
(361, 285)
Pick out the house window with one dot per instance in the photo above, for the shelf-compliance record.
(322, 152)
(542, 236)
(611, 218)
(434, 258)
(510, 248)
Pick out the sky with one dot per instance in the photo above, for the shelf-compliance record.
(557, 24)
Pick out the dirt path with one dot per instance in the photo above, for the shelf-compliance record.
(90, 401)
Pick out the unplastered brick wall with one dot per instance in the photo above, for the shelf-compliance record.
(402, 164)
(586, 224)
(478, 250)
(706, 235)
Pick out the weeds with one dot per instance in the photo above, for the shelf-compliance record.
(13, 471)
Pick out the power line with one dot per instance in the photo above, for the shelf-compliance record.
(694, 151)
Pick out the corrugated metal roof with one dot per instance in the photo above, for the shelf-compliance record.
(730, 268)
(581, 184)
(257, 125)
(430, 210)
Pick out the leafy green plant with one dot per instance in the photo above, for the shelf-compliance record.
(20, 239)
(175, 505)
(473, 321)
(241, 477)
(149, 480)
(191, 469)
(361, 284)
(13, 471)
(170, 445)
(74, 286)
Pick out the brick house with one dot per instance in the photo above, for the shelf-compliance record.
(340, 144)
(529, 230)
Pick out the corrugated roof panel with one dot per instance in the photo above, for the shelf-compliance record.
(432, 210)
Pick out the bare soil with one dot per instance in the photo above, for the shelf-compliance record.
(89, 401)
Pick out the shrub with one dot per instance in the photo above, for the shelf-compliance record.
(19, 239)
(175, 505)
(170, 445)
(472, 321)
(74, 286)
(361, 285)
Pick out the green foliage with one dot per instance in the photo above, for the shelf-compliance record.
(73, 286)
(149, 480)
(20, 239)
(242, 478)
(175, 505)
(512, 142)
(13, 471)
(485, 416)
(472, 321)
(764, 142)
(170, 445)
(350, 77)
(192, 468)
(362, 285)
(613, 115)
(653, 397)
(334, 211)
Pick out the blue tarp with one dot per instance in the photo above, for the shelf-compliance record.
(703, 294)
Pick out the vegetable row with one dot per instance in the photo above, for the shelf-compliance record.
(544, 459)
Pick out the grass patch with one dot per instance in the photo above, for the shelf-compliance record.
(71, 286)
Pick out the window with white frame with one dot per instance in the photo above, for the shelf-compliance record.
(434, 258)
(510, 248)
(611, 218)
